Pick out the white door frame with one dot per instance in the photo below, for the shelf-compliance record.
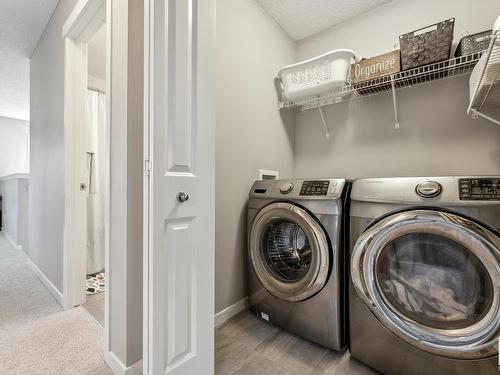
(146, 231)
(85, 19)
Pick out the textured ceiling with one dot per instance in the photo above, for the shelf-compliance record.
(303, 18)
(97, 54)
(21, 24)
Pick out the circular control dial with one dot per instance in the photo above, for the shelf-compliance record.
(429, 189)
(286, 187)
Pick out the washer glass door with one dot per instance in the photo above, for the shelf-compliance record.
(289, 251)
(286, 250)
(433, 279)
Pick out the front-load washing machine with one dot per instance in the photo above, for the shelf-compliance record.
(425, 272)
(295, 265)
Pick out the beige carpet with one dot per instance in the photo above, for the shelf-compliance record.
(36, 336)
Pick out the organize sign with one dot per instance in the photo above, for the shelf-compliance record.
(376, 67)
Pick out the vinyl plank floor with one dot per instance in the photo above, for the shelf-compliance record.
(229, 353)
(247, 329)
(334, 363)
(95, 307)
(246, 345)
(257, 364)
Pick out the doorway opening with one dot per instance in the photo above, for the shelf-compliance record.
(87, 160)
(97, 177)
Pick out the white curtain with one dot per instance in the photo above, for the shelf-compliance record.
(96, 149)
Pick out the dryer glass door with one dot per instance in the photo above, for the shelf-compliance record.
(289, 251)
(433, 279)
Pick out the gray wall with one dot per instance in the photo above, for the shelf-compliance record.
(8, 192)
(126, 179)
(23, 212)
(47, 148)
(378, 30)
(250, 133)
(436, 135)
(14, 193)
(14, 146)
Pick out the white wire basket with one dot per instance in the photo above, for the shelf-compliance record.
(484, 83)
(316, 76)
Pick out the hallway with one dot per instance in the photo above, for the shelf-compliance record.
(36, 335)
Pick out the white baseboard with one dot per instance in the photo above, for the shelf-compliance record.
(119, 368)
(11, 241)
(48, 284)
(230, 311)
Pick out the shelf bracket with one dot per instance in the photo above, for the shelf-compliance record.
(327, 132)
(476, 114)
(395, 103)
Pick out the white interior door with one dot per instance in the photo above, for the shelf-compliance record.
(180, 257)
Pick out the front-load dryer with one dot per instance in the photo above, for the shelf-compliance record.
(295, 257)
(425, 271)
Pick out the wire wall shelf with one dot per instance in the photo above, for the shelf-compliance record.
(484, 85)
(438, 71)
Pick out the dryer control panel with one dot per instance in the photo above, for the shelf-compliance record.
(479, 189)
(314, 188)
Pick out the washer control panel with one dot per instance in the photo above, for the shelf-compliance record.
(314, 188)
(286, 187)
(479, 189)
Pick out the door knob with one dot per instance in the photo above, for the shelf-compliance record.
(182, 196)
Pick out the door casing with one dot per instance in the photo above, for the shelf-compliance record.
(82, 23)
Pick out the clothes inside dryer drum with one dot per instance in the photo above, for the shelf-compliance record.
(286, 250)
(435, 281)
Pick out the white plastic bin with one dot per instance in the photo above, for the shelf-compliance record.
(317, 75)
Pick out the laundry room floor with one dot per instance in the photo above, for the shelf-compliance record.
(95, 307)
(246, 345)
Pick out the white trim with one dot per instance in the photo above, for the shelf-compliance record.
(96, 84)
(146, 313)
(107, 190)
(85, 19)
(15, 176)
(74, 244)
(119, 368)
(226, 314)
(11, 241)
(74, 253)
(48, 284)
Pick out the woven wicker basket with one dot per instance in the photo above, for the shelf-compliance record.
(427, 45)
(473, 43)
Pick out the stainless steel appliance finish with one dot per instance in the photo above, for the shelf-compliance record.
(425, 274)
(294, 250)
